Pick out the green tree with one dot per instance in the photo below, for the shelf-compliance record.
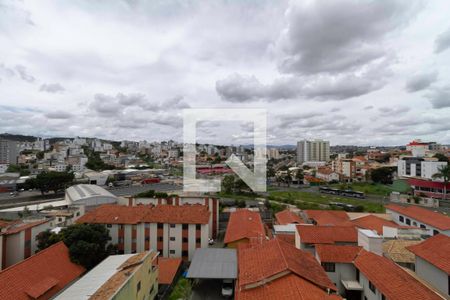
(46, 239)
(51, 181)
(382, 175)
(299, 175)
(182, 290)
(228, 184)
(444, 174)
(441, 157)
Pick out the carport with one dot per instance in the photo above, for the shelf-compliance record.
(209, 267)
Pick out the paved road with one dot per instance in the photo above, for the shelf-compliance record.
(136, 189)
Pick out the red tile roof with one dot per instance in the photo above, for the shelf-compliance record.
(329, 217)
(312, 179)
(337, 253)
(390, 279)
(41, 275)
(118, 214)
(311, 234)
(423, 215)
(260, 264)
(373, 223)
(289, 287)
(435, 250)
(287, 217)
(168, 268)
(288, 238)
(244, 223)
(18, 227)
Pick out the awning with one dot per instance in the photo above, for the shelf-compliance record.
(213, 263)
(352, 285)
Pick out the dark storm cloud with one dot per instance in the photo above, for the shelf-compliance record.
(421, 81)
(337, 36)
(442, 42)
(51, 88)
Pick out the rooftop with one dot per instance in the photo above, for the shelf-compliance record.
(118, 214)
(435, 250)
(374, 223)
(168, 268)
(337, 253)
(45, 273)
(244, 223)
(287, 217)
(390, 279)
(106, 278)
(21, 226)
(423, 215)
(84, 191)
(396, 250)
(327, 234)
(217, 263)
(329, 217)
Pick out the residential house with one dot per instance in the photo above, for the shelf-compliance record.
(244, 225)
(287, 216)
(40, 276)
(169, 269)
(118, 277)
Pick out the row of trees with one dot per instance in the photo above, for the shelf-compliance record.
(87, 243)
(50, 181)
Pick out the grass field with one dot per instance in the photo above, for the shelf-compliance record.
(307, 200)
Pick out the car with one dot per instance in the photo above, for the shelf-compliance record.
(211, 242)
(227, 287)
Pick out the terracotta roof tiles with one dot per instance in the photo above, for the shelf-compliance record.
(244, 223)
(168, 268)
(435, 250)
(287, 217)
(337, 253)
(327, 234)
(423, 215)
(373, 223)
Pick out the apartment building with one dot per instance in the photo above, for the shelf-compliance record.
(433, 262)
(173, 231)
(18, 241)
(41, 276)
(212, 204)
(412, 215)
(351, 169)
(317, 150)
(418, 167)
(9, 151)
(118, 277)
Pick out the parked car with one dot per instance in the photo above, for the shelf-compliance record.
(227, 287)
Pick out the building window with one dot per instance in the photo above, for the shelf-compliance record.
(108, 225)
(383, 297)
(408, 221)
(372, 287)
(173, 225)
(414, 224)
(185, 240)
(120, 240)
(133, 227)
(172, 238)
(184, 253)
(185, 226)
(401, 219)
(147, 225)
(147, 239)
(329, 267)
(435, 232)
(423, 226)
(172, 251)
(160, 239)
(27, 244)
(160, 225)
(138, 287)
(357, 275)
(198, 240)
(121, 226)
(198, 227)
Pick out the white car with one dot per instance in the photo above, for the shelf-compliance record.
(211, 242)
(227, 288)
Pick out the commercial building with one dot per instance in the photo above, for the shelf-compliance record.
(89, 195)
(18, 241)
(433, 262)
(412, 215)
(41, 276)
(9, 151)
(317, 150)
(118, 277)
(173, 231)
(433, 190)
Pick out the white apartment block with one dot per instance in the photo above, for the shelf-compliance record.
(418, 167)
(317, 150)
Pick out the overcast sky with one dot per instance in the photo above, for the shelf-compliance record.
(352, 72)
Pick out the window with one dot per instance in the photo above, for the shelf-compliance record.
(27, 244)
(423, 226)
(435, 232)
(78, 214)
(198, 227)
(172, 238)
(449, 285)
(147, 225)
(408, 221)
(160, 239)
(185, 226)
(108, 225)
(151, 290)
(173, 225)
(383, 297)
(184, 253)
(372, 287)
(120, 240)
(59, 219)
(133, 227)
(172, 251)
(121, 226)
(138, 287)
(198, 240)
(357, 275)
(401, 219)
(147, 239)
(329, 267)
(160, 225)
(185, 240)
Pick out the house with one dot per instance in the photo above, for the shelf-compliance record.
(276, 270)
(169, 269)
(174, 231)
(40, 276)
(397, 251)
(311, 180)
(327, 174)
(433, 261)
(380, 279)
(327, 217)
(412, 215)
(287, 216)
(244, 225)
(373, 223)
(118, 277)
(337, 261)
(308, 236)
(18, 240)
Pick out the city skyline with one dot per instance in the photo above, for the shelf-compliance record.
(126, 70)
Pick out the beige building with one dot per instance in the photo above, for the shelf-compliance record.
(317, 150)
(118, 277)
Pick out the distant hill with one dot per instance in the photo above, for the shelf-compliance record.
(18, 137)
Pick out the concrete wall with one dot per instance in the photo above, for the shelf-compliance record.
(366, 291)
(396, 219)
(15, 248)
(435, 276)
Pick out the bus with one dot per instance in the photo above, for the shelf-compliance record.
(345, 193)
